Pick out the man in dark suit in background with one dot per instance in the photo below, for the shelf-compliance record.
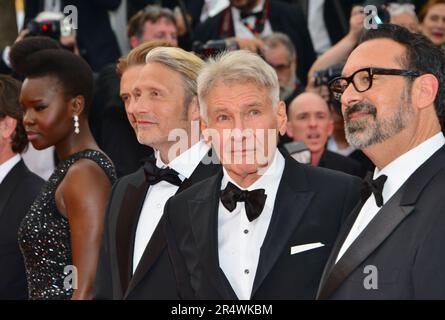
(18, 189)
(328, 20)
(391, 246)
(263, 228)
(246, 20)
(134, 262)
(310, 121)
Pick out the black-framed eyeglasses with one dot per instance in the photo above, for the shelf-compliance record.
(362, 79)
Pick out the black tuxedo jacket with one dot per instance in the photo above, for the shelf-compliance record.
(154, 277)
(404, 242)
(17, 193)
(283, 17)
(335, 161)
(309, 207)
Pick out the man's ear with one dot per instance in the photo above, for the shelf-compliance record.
(424, 91)
(193, 110)
(134, 42)
(281, 117)
(8, 126)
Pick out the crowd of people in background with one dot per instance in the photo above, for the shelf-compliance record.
(90, 189)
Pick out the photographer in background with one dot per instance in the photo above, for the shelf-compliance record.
(95, 38)
(49, 24)
(246, 21)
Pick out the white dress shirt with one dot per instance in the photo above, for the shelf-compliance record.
(398, 171)
(241, 31)
(240, 241)
(317, 27)
(158, 194)
(7, 166)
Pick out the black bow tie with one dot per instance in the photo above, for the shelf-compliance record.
(375, 187)
(254, 200)
(153, 174)
(257, 15)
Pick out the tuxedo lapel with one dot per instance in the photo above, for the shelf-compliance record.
(158, 241)
(381, 226)
(128, 217)
(204, 222)
(343, 233)
(290, 204)
(377, 231)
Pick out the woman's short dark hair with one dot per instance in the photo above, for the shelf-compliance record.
(42, 56)
(421, 55)
(10, 106)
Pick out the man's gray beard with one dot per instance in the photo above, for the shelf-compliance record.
(363, 133)
(289, 89)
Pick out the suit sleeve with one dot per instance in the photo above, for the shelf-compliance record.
(103, 285)
(182, 275)
(429, 266)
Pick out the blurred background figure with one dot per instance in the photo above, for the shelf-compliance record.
(404, 15)
(280, 53)
(95, 38)
(432, 21)
(152, 23)
(245, 21)
(327, 20)
(18, 189)
(309, 120)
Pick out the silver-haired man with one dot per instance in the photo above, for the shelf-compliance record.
(263, 227)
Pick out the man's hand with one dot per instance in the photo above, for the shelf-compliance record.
(254, 45)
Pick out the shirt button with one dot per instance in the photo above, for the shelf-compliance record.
(246, 231)
(246, 271)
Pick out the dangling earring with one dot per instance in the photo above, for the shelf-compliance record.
(76, 125)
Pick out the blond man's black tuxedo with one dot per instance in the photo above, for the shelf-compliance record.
(154, 277)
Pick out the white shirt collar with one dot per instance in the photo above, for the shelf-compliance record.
(400, 169)
(269, 181)
(187, 161)
(8, 165)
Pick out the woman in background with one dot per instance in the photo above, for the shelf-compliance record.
(60, 235)
(432, 21)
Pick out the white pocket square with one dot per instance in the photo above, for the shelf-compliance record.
(305, 247)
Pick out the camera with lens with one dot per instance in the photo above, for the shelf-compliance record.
(322, 77)
(213, 47)
(50, 28)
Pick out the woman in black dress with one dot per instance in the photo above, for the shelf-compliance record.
(60, 235)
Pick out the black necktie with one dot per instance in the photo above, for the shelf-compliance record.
(257, 15)
(254, 200)
(375, 187)
(153, 174)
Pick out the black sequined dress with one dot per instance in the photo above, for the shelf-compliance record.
(44, 235)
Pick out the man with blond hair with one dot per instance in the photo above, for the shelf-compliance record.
(263, 227)
(134, 262)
